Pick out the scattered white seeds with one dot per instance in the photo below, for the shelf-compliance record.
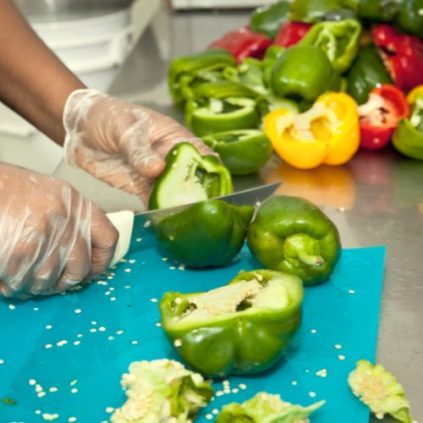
(12, 306)
(181, 267)
(48, 327)
(74, 390)
(341, 357)
(110, 338)
(102, 329)
(307, 370)
(351, 291)
(147, 224)
(73, 382)
(322, 373)
(49, 417)
(61, 343)
(235, 390)
(1, 361)
(312, 394)
(138, 239)
(127, 270)
(38, 412)
(80, 335)
(153, 300)
(215, 411)
(165, 259)
(127, 286)
(294, 383)
(132, 261)
(72, 419)
(38, 388)
(76, 343)
(177, 343)
(41, 394)
(93, 322)
(77, 311)
(158, 324)
(219, 393)
(32, 382)
(313, 331)
(52, 389)
(48, 346)
(134, 342)
(119, 332)
(109, 410)
(112, 298)
(242, 386)
(209, 416)
(36, 308)
(338, 346)
(172, 267)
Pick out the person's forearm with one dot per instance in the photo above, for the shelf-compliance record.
(33, 81)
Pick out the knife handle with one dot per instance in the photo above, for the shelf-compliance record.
(123, 221)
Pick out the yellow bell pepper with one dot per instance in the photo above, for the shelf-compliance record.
(412, 95)
(328, 133)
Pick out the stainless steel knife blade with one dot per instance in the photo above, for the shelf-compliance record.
(127, 223)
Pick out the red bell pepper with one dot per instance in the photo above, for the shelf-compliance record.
(291, 33)
(402, 55)
(380, 116)
(242, 43)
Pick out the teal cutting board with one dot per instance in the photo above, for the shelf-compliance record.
(65, 355)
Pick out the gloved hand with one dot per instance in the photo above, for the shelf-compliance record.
(121, 143)
(51, 237)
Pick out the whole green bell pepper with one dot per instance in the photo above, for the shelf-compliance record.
(218, 115)
(207, 234)
(408, 136)
(339, 40)
(266, 408)
(240, 328)
(184, 70)
(189, 177)
(378, 10)
(243, 152)
(410, 17)
(316, 10)
(292, 235)
(366, 73)
(268, 19)
(304, 72)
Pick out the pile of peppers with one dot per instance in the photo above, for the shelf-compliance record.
(330, 67)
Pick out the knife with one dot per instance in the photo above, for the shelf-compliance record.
(125, 220)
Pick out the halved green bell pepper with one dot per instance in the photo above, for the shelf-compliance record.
(266, 408)
(268, 19)
(366, 73)
(222, 90)
(207, 234)
(339, 40)
(240, 328)
(243, 151)
(292, 235)
(408, 136)
(316, 10)
(304, 72)
(211, 115)
(189, 177)
(184, 70)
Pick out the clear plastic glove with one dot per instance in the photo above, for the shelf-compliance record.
(51, 237)
(121, 143)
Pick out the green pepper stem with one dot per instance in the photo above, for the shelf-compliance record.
(304, 248)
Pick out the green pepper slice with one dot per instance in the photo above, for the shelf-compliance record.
(184, 70)
(366, 73)
(269, 18)
(292, 235)
(218, 115)
(189, 177)
(240, 328)
(304, 72)
(408, 136)
(208, 234)
(243, 152)
(339, 40)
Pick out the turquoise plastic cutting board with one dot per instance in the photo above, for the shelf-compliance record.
(65, 355)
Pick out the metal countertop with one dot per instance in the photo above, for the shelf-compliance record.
(376, 199)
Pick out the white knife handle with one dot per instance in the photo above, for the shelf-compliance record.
(123, 221)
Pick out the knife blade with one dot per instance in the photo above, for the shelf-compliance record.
(125, 220)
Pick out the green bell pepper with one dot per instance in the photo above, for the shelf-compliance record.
(184, 70)
(410, 17)
(366, 73)
(272, 55)
(408, 136)
(206, 234)
(211, 115)
(339, 40)
(266, 408)
(189, 177)
(222, 90)
(316, 10)
(162, 391)
(304, 72)
(268, 19)
(243, 152)
(240, 328)
(292, 235)
(378, 10)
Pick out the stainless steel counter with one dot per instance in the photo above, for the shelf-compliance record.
(376, 199)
